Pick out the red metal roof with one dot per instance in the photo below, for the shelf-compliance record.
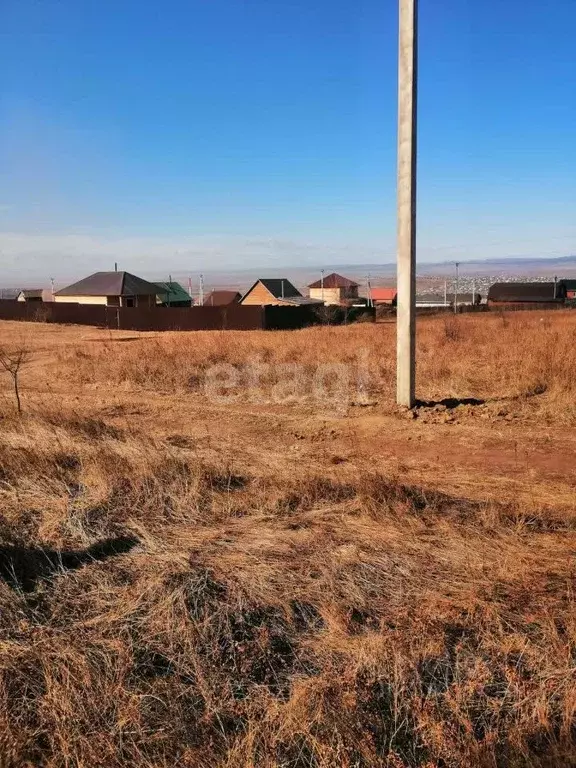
(383, 294)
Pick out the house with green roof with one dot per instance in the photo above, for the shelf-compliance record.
(173, 295)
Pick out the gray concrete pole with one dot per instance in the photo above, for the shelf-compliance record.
(457, 287)
(407, 111)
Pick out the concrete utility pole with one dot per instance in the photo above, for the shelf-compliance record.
(407, 111)
(201, 290)
(456, 288)
(322, 285)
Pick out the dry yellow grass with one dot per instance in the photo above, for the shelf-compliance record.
(316, 583)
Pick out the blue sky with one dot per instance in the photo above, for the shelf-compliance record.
(219, 133)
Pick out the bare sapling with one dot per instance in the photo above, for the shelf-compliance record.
(12, 361)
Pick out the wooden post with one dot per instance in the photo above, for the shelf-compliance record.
(407, 144)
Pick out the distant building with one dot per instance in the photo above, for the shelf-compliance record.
(526, 293)
(35, 295)
(222, 298)
(334, 289)
(383, 295)
(173, 295)
(113, 289)
(440, 300)
(569, 286)
(275, 292)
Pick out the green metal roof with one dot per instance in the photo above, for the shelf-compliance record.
(172, 293)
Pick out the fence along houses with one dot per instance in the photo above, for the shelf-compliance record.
(126, 301)
(440, 300)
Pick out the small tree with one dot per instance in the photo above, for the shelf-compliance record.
(12, 361)
(328, 314)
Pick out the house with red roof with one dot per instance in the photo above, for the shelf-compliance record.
(383, 296)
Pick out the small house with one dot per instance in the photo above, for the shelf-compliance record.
(173, 295)
(333, 289)
(526, 293)
(569, 287)
(222, 298)
(34, 295)
(112, 289)
(277, 292)
(381, 296)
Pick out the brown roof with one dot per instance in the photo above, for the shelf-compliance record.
(279, 287)
(110, 284)
(334, 281)
(222, 298)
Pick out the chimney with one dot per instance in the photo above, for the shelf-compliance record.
(115, 266)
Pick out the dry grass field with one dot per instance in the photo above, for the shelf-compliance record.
(232, 550)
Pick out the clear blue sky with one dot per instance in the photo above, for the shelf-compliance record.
(225, 132)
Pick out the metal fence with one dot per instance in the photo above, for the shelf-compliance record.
(231, 317)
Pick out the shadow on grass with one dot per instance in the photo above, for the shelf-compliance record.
(22, 567)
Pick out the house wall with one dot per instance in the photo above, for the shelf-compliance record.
(260, 296)
(333, 295)
(81, 299)
(138, 301)
(329, 295)
(110, 301)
